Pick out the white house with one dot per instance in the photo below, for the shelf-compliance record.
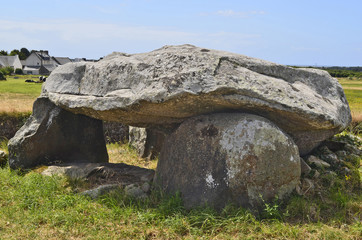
(41, 63)
(10, 61)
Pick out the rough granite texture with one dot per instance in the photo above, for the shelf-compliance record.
(54, 135)
(215, 162)
(147, 142)
(169, 85)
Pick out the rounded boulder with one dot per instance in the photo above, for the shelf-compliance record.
(224, 158)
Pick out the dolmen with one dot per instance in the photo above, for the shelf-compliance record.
(235, 126)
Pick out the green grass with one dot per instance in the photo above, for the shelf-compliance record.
(18, 96)
(354, 98)
(16, 84)
(353, 90)
(33, 206)
(38, 207)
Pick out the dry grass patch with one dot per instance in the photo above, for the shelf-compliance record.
(16, 102)
(124, 153)
(353, 91)
(357, 117)
(18, 96)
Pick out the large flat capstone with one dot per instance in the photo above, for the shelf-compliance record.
(169, 85)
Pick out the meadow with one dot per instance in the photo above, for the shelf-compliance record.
(33, 206)
(16, 96)
(353, 89)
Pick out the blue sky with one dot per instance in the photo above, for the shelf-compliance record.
(309, 32)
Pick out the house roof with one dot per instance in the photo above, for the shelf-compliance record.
(50, 68)
(62, 60)
(42, 55)
(6, 61)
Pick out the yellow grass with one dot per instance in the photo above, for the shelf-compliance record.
(123, 153)
(353, 88)
(356, 117)
(18, 96)
(16, 102)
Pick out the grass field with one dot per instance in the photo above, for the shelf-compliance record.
(353, 91)
(33, 206)
(18, 96)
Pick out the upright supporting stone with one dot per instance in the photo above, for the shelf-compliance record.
(53, 135)
(146, 141)
(228, 158)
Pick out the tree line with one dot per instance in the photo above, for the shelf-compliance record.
(23, 53)
(340, 72)
(344, 71)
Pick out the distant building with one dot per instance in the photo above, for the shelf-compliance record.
(41, 63)
(62, 60)
(83, 60)
(10, 61)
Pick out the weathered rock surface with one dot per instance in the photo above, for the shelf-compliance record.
(344, 164)
(115, 132)
(304, 167)
(73, 170)
(53, 134)
(315, 161)
(147, 142)
(171, 84)
(101, 190)
(137, 139)
(105, 177)
(120, 173)
(220, 158)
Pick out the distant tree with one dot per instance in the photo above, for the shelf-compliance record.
(6, 70)
(22, 56)
(18, 71)
(17, 52)
(3, 53)
(24, 53)
(14, 52)
(2, 77)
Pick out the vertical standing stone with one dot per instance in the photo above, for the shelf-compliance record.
(146, 141)
(52, 135)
